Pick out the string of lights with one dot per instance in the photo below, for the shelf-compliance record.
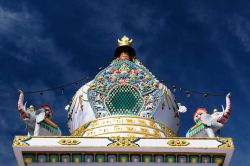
(187, 91)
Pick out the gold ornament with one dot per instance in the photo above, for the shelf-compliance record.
(123, 142)
(227, 143)
(68, 142)
(19, 141)
(125, 41)
(178, 142)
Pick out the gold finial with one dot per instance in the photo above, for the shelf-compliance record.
(125, 41)
(215, 110)
(31, 107)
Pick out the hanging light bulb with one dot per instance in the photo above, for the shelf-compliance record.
(62, 90)
(174, 88)
(205, 94)
(188, 94)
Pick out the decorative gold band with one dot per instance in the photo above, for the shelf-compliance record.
(124, 126)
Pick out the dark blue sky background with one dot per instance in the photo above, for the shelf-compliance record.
(203, 45)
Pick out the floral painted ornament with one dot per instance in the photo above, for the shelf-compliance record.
(124, 88)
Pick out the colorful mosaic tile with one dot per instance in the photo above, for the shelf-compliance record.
(53, 158)
(194, 159)
(158, 158)
(112, 158)
(77, 158)
(89, 158)
(182, 158)
(100, 158)
(128, 82)
(65, 158)
(218, 160)
(135, 158)
(123, 158)
(41, 158)
(28, 158)
(170, 158)
(147, 158)
(205, 159)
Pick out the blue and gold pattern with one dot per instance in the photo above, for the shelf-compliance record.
(77, 158)
(65, 158)
(205, 159)
(193, 159)
(112, 158)
(29, 158)
(42, 158)
(135, 158)
(123, 142)
(158, 158)
(182, 158)
(125, 81)
(123, 157)
(89, 158)
(53, 158)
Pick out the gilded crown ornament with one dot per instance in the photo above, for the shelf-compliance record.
(125, 41)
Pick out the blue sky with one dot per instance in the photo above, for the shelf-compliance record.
(203, 45)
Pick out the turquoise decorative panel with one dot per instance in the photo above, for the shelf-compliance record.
(88, 158)
(194, 159)
(158, 158)
(147, 158)
(100, 158)
(77, 158)
(124, 88)
(170, 158)
(112, 158)
(218, 159)
(53, 158)
(123, 158)
(205, 159)
(29, 158)
(65, 158)
(41, 158)
(135, 158)
(124, 99)
(182, 158)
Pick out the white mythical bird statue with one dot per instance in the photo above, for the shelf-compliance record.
(209, 125)
(37, 121)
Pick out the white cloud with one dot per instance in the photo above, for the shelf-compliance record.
(240, 28)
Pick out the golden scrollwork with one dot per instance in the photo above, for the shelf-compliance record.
(178, 142)
(226, 143)
(131, 128)
(79, 131)
(19, 141)
(130, 121)
(69, 142)
(169, 132)
(123, 142)
(124, 124)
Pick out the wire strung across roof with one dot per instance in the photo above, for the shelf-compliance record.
(62, 87)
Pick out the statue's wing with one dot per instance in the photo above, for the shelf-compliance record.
(206, 119)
